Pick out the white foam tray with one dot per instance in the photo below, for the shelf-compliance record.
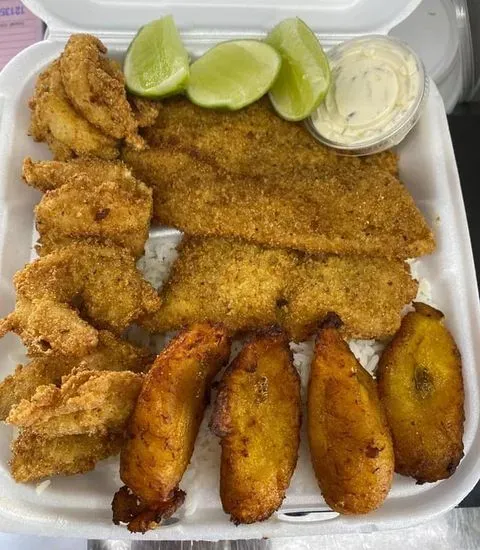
(80, 505)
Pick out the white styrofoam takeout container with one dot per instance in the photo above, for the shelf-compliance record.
(80, 505)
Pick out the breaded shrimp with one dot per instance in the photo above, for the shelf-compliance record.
(117, 212)
(88, 402)
(96, 282)
(111, 354)
(96, 88)
(47, 175)
(55, 121)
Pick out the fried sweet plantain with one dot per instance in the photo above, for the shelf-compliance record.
(421, 386)
(257, 415)
(164, 426)
(350, 443)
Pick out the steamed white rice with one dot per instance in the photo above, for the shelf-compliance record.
(42, 486)
(160, 253)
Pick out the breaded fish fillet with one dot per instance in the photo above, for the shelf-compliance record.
(245, 286)
(111, 354)
(55, 121)
(56, 293)
(52, 174)
(253, 142)
(88, 402)
(363, 211)
(117, 212)
(367, 293)
(35, 457)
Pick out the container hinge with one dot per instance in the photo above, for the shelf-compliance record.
(116, 39)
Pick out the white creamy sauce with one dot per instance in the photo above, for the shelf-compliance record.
(375, 84)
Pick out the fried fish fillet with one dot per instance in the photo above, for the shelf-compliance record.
(245, 286)
(111, 354)
(96, 87)
(257, 415)
(55, 121)
(367, 293)
(280, 188)
(88, 402)
(117, 212)
(350, 443)
(35, 457)
(56, 293)
(164, 425)
(52, 174)
(253, 141)
(421, 385)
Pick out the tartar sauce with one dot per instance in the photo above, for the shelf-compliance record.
(376, 85)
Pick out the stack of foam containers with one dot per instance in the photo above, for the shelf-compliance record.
(439, 31)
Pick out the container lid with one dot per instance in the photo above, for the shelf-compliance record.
(431, 30)
(333, 20)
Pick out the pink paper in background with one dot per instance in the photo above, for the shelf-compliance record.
(18, 29)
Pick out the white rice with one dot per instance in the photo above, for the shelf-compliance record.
(159, 256)
(203, 472)
(42, 486)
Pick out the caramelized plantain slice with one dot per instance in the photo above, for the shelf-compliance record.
(420, 384)
(350, 444)
(165, 424)
(257, 415)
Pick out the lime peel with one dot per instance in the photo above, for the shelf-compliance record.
(233, 74)
(304, 78)
(156, 63)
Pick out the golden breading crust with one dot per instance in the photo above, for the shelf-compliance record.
(100, 283)
(96, 87)
(55, 120)
(165, 423)
(254, 141)
(117, 212)
(421, 385)
(257, 415)
(350, 443)
(245, 286)
(111, 354)
(144, 110)
(35, 457)
(255, 177)
(88, 402)
(52, 174)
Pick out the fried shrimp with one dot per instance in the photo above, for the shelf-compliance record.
(52, 174)
(55, 121)
(96, 87)
(164, 426)
(117, 212)
(421, 385)
(144, 110)
(111, 354)
(56, 293)
(350, 443)
(257, 415)
(35, 457)
(88, 402)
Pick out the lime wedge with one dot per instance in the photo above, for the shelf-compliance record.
(304, 77)
(233, 74)
(156, 63)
